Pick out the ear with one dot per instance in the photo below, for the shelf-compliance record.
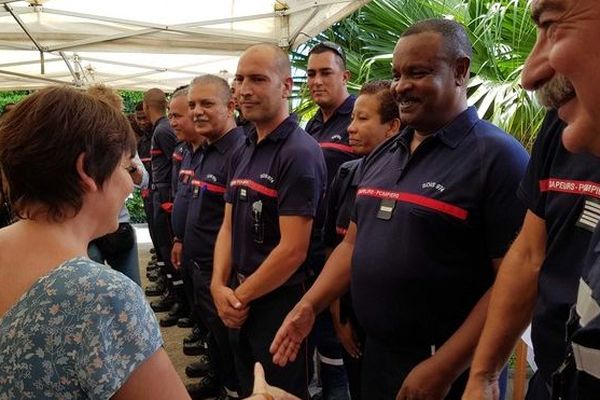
(461, 71)
(393, 127)
(87, 181)
(347, 74)
(230, 106)
(288, 84)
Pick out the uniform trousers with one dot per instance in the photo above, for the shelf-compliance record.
(163, 233)
(385, 367)
(251, 343)
(219, 347)
(148, 200)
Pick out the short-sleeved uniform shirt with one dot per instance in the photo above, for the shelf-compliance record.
(333, 136)
(161, 152)
(77, 333)
(283, 175)
(183, 194)
(562, 189)
(428, 226)
(207, 204)
(342, 193)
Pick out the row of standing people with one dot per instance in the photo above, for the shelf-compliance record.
(435, 211)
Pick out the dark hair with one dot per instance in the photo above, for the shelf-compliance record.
(455, 37)
(139, 106)
(334, 48)
(388, 108)
(40, 144)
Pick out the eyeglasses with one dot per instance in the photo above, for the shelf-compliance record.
(336, 48)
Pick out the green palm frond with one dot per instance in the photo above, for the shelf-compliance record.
(502, 34)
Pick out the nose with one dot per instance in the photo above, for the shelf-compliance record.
(537, 69)
(243, 88)
(399, 86)
(352, 127)
(197, 110)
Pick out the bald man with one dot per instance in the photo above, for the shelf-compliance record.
(161, 151)
(276, 185)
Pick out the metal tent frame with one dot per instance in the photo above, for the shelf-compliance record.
(134, 44)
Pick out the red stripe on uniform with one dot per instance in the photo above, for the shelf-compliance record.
(568, 186)
(145, 160)
(177, 156)
(156, 152)
(433, 204)
(257, 187)
(337, 146)
(209, 186)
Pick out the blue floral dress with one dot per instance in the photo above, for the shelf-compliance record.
(77, 333)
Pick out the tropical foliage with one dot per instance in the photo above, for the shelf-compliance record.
(502, 34)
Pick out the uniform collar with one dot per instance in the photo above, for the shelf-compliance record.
(279, 133)
(158, 122)
(453, 133)
(344, 109)
(224, 142)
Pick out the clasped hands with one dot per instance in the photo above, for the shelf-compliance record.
(232, 311)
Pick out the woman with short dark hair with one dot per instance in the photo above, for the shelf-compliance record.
(69, 327)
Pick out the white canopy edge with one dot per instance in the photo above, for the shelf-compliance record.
(138, 44)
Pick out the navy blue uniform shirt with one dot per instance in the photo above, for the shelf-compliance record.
(342, 193)
(558, 187)
(429, 225)
(189, 161)
(162, 147)
(333, 136)
(283, 175)
(177, 158)
(207, 204)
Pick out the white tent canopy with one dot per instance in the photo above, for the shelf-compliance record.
(134, 44)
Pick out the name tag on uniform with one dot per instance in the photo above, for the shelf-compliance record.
(590, 215)
(386, 209)
(243, 194)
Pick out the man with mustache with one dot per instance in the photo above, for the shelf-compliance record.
(562, 192)
(434, 214)
(210, 102)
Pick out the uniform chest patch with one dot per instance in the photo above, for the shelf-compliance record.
(590, 216)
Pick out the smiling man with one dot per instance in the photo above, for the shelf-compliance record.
(435, 212)
(562, 193)
(276, 185)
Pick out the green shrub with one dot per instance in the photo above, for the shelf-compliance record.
(135, 206)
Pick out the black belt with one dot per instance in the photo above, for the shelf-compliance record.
(296, 279)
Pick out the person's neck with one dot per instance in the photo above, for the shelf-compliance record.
(264, 128)
(58, 241)
(420, 135)
(328, 112)
(230, 125)
(155, 116)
